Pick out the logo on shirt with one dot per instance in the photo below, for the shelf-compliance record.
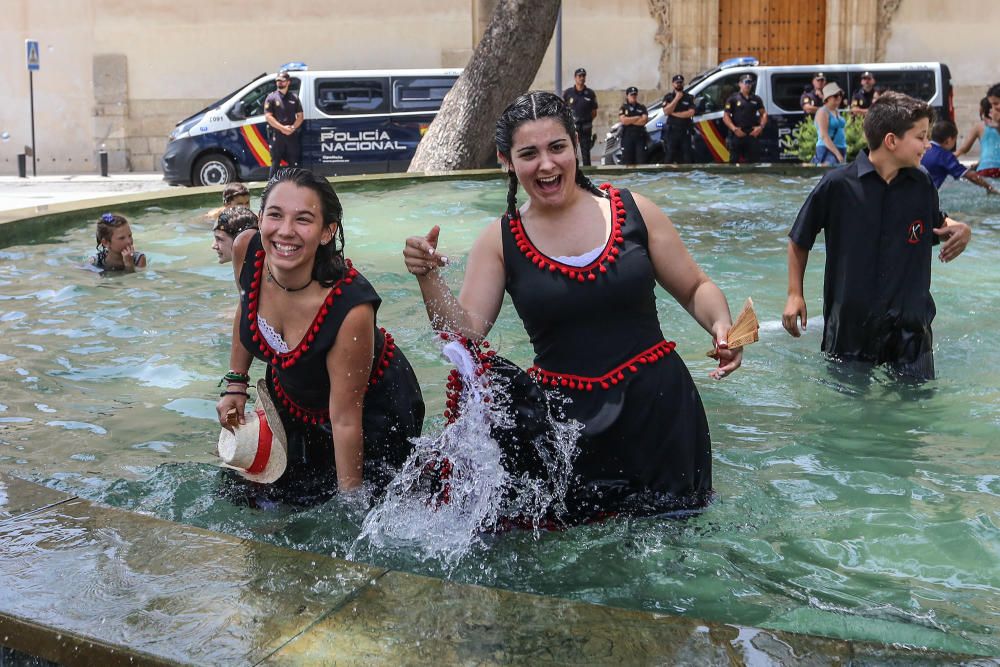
(915, 232)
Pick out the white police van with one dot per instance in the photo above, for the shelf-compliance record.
(355, 122)
(781, 88)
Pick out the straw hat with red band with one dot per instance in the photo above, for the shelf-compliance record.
(257, 450)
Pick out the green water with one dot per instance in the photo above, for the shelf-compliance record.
(848, 504)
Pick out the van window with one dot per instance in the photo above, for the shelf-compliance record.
(339, 97)
(787, 89)
(420, 93)
(252, 104)
(915, 83)
(713, 97)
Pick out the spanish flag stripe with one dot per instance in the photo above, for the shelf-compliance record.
(258, 147)
(716, 144)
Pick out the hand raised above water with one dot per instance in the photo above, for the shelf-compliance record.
(420, 253)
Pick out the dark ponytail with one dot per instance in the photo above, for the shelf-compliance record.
(533, 106)
(330, 264)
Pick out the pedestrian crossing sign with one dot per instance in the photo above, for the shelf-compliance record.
(31, 47)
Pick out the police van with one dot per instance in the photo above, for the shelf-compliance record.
(355, 122)
(781, 88)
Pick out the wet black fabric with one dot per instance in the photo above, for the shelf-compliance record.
(877, 305)
(645, 441)
(393, 409)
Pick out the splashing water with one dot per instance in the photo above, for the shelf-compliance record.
(454, 487)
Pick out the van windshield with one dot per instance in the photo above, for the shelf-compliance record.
(221, 99)
(252, 103)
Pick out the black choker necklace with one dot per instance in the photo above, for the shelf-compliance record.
(272, 279)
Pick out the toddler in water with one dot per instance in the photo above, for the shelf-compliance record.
(115, 249)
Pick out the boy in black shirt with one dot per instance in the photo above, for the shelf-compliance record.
(880, 215)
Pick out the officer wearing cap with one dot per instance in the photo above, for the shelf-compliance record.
(283, 113)
(678, 107)
(863, 96)
(812, 98)
(746, 118)
(633, 116)
(583, 102)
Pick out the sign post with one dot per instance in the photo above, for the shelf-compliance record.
(31, 56)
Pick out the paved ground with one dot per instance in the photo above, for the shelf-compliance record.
(16, 193)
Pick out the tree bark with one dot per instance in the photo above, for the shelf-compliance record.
(502, 67)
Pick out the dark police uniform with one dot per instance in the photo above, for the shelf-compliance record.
(633, 136)
(810, 97)
(284, 108)
(677, 134)
(862, 100)
(877, 305)
(745, 113)
(583, 103)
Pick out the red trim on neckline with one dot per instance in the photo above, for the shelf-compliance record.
(578, 273)
(612, 377)
(287, 359)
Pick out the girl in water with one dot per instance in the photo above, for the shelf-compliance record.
(115, 247)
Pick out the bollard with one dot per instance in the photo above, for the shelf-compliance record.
(22, 165)
(103, 155)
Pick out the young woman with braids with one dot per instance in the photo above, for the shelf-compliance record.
(346, 395)
(580, 264)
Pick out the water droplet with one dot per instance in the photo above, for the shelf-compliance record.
(5, 136)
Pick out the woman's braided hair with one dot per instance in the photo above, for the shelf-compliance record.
(533, 106)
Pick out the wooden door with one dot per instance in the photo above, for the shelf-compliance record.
(776, 32)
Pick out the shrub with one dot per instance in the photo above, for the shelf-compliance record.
(804, 137)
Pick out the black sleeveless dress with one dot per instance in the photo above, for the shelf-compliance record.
(645, 446)
(300, 387)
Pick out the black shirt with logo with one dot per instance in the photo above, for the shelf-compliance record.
(745, 111)
(631, 111)
(284, 108)
(686, 103)
(877, 305)
(810, 97)
(862, 100)
(583, 103)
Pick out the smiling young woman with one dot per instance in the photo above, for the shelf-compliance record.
(580, 264)
(346, 395)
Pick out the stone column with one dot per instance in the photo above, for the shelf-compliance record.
(688, 36)
(111, 109)
(852, 31)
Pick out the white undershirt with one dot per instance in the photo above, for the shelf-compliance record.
(272, 337)
(581, 260)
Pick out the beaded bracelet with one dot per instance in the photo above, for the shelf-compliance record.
(235, 376)
(234, 393)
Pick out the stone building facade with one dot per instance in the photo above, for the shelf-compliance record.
(120, 74)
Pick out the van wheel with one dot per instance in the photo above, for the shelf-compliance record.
(214, 169)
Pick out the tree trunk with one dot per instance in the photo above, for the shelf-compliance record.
(502, 67)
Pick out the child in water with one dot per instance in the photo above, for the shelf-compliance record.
(115, 248)
(234, 194)
(228, 225)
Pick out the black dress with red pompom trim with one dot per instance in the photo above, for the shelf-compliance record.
(597, 341)
(300, 387)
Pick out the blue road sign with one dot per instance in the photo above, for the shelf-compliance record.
(31, 46)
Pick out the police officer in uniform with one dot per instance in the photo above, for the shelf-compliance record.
(283, 113)
(583, 102)
(633, 116)
(812, 98)
(746, 118)
(863, 96)
(678, 107)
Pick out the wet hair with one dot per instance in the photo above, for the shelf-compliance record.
(235, 219)
(530, 106)
(234, 190)
(330, 264)
(893, 113)
(994, 90)
(943, 130)
(985, 108)
(106, 226)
